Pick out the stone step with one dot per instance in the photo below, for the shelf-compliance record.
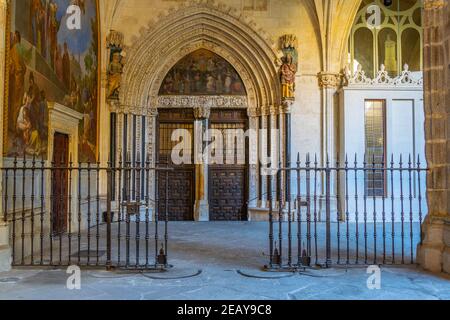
(5, 259)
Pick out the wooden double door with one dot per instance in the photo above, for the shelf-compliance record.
(227, 182)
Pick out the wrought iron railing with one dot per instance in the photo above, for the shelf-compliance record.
(85, 214)
(328, 216)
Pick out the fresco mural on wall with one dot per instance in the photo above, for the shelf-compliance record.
(202, 73)
(50, 63)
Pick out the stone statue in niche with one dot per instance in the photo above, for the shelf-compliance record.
(116, 63)
(115, 70)
(288, 72)
(289, 66)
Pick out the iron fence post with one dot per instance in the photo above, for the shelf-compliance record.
(108, 218)
(328, 215)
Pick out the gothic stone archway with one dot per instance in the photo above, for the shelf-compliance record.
(215, 28)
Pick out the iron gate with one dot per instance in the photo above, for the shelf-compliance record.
(345, 213)
(341, 214)
(112, 216)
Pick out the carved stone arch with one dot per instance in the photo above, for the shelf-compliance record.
(201, 25)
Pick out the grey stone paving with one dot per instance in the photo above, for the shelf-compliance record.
(220, 251)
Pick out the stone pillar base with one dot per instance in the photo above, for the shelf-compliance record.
(201, 211)
(5, 250)
(434, 253)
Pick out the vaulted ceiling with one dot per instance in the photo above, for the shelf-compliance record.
(333, 19)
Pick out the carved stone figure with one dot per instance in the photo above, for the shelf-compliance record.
(288, 72)
(115, 70)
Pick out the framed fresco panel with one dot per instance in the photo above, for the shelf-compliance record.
(203, 73)
(48, 61)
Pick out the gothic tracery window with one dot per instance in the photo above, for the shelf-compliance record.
(393, 39)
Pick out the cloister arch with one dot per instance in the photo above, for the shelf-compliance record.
(191, 27)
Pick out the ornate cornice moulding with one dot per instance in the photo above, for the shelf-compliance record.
(231, 102)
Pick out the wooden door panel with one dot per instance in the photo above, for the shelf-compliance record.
(227, 194)
(180, 193)
(228, 183)
(60, 183)
(182, 179)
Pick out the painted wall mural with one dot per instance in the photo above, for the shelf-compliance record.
(202, 73)
(48, 62)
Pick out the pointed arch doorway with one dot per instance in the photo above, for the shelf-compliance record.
(254, 57)
(213, 189)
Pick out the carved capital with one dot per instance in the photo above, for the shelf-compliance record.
(265, 111)
(329, 80)
(434, 4)
(202, 113)
(286, 106)
(252, 112)
(274, 109)
(114, 106)
(151, 112)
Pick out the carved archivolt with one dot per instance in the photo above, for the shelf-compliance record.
(195, 25)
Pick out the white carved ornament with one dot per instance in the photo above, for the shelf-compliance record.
(382, 78)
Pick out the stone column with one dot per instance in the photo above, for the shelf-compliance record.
(263, 152)
(5, 250)
(274, 149)
(152, 116)
(285, 114)
(329, 83)
(254, 163)
(434, 251)
(201, 207)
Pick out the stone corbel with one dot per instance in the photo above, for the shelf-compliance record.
(115, 39)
